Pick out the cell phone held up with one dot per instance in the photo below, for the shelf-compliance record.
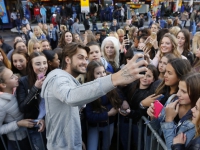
(157, 108)
(40, 76)
(138, 51)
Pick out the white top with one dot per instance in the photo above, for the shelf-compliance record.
(122, 11)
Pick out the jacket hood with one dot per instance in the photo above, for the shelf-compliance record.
(55, 74)
(6, 96)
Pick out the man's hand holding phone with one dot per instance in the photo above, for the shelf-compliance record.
(171, 110)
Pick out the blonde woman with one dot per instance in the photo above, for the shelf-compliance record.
(174, 30)
(38, 34)
(63, 29)
(33, 46)
(110, 51)
(76, 38)
(114, 34)
(168, 44)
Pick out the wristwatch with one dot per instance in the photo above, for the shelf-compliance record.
(141, 106)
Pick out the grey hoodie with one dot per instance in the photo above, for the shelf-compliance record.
(63, 94)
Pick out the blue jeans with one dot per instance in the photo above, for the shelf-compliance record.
(191, 25)
(36, 139)
(74, 16)
(183, 23)
(44, 19)
(94, 26)
(93, 137)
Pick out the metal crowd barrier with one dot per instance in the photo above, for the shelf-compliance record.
(17, 143)
(156, 142)
(151, 141)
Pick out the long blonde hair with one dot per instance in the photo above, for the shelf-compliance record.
(196, 42)
(39, 30)
(31, 43)
(174, 45)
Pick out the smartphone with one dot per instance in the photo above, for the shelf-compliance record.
(40, 76)
(138, 51)
(36, 121)
(157, 108)
(123, 111)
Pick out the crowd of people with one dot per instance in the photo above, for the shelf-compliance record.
(70, 86)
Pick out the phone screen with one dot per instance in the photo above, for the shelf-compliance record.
(138, 51)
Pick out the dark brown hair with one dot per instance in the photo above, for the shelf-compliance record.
(186, 47)
(20, 52)
(61, 42)
(112, 96)
(180, 71)
(192, 81)
(70, 50)
(31, 74)
(6, 62)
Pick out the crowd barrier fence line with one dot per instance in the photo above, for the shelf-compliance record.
(156, 142)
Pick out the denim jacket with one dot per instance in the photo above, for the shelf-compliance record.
(171, 129)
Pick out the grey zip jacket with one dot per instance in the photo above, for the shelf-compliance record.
(63, 94)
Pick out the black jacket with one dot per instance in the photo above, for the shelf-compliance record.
(6, 48)
(189, 56)
(28, 99)
(193, 145)
(114, 28)
(86, 24)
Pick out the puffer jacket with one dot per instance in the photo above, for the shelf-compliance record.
(9, 116)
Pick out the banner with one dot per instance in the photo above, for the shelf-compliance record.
(85, 6)
(3, 12)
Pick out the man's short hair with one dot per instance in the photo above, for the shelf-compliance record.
(70, 50)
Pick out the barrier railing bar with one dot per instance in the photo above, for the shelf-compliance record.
(151, 144)
(30, 142)
(146, 128)
(4, 145)
(139, 134)
(129, 135)
(155, 133)
(118, 133)
(16, 141)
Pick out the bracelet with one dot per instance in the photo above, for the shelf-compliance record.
(141, 106)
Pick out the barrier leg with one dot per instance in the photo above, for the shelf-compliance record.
(42, 141)
(139, 134)
(129, 135)
(31, 144)
(118, 133)
(18, 147)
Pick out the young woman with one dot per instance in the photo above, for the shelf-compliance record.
(166, 121)
(183, 40)
(45, 30)
(76, 38)
(100, 113)
(135, 93)
(163, 63)
(45, 45)
(11, 119)
(4, 59)
(52, 59)
(167, 45)
(110, 51)
(180, 140)
(95, 54)
(19, 61)
(33, 46)
(63, 29)
(28, 95)
(38, 34)
(66, 38)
